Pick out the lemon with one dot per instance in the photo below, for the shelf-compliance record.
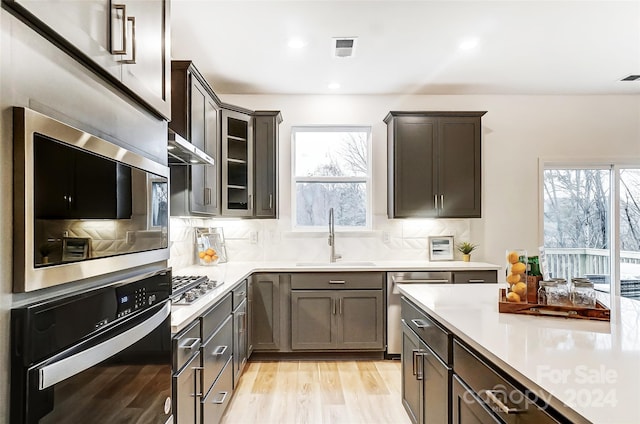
(207, 259)
(520, 289)
(201, 254)
(513, 297)
(210, 252)
(518, 268)
(513, 257)
(513, 278)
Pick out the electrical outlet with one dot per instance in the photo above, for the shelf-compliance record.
(131, 237)
(253, 236)
(386, 237)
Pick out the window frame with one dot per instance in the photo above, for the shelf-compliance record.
(366, 179)
(614, 165)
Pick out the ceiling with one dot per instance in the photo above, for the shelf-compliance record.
(412, 47)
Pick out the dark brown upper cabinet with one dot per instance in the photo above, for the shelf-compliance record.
(126, 42)
(195, 116)
(266, 164)
(434, 164)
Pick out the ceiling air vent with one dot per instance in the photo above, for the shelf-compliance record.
(631, 78)
(344, 46)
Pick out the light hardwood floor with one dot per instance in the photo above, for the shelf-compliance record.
(318, 392)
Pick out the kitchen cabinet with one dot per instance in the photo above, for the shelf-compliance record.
(474, 277)
(426, 367)
(434, 161)
(195, 117)
(337, 311)
(240, 340)
(237, 160)
(265, 312)
(266, 163)
(186, 385)
(125, 42)
(482, 395)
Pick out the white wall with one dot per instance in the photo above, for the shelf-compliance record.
(517, 131)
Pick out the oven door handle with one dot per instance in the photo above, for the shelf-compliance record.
(55, 372)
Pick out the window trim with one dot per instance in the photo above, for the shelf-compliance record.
(614, 165)
(366, 179)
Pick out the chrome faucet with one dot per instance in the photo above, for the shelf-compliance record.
(332, 238)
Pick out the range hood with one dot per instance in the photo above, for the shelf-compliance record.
(181, 152)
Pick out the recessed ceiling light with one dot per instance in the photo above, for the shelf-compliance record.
(468, 44)
(296, 43)
(334, 86)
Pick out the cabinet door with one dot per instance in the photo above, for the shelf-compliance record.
(146, 65)
(237, 164)
(239, 340)
(265, 312)
(360, 319)
(458, 169)
(211, 147)
(313, 314)
(413, 152)
(467, 408)
(411, 386)
(435, 387)
(266, 164)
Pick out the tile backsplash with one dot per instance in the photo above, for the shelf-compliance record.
(273, 240)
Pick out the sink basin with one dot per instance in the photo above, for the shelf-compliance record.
(336, 264)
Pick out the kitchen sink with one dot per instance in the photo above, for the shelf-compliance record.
(336, 264)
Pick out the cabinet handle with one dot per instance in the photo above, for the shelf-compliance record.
(420, 323)
(190, 344)
(414, 354)
(270, 201)
(420, 374)
(337, 281)
(219, 351)
(119, 8)
(476, 281)
(250, 202)
(340, 306)
(435, 200)
(132, 61)
(221, 401)
(491, 395)
(334, 306)
(442, 201)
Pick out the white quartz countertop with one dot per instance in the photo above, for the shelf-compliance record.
(587, 370)
(232, 273)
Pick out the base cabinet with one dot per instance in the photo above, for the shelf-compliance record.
(265, 312)
(467, 407)
(240, 334)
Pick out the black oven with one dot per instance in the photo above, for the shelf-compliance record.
(102, 356)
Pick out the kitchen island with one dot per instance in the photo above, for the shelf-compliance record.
(588, 371)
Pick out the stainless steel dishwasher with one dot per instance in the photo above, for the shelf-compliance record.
(394, 325)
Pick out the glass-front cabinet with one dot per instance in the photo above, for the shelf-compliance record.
(237, 163)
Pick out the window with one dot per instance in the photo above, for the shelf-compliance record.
(331, 169)
(591, 224)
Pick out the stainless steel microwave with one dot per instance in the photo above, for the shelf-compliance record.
(83, 206)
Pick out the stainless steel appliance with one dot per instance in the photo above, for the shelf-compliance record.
(394, 325)
(101, 356)
(83, 207)
(186, 289)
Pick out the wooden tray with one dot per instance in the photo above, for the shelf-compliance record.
(599, 313)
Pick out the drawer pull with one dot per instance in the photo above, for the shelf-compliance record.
(476, 281)
(241, 294)
(190, 344)
(337, 281)
(219, 351)
(420, 323)
(221, 401)
(422, 281)
(491, 395)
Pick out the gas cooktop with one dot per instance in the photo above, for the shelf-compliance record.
(186, 289)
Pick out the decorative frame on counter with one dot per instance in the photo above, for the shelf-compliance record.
(440, 248)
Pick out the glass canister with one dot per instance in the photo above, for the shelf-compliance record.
(542, 291)
(558, 293)
(583, 293)
(517, 275)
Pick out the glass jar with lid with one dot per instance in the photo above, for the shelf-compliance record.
(583, 293)
(558, 293)
(542, 291)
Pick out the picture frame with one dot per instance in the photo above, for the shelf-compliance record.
(440, 248)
